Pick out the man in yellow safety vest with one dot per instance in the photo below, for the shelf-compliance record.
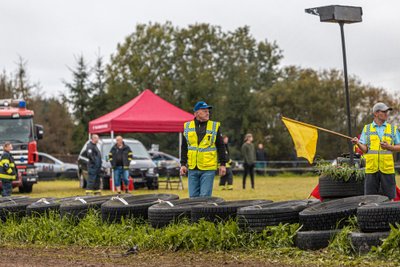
(202, 150)
(378, 141)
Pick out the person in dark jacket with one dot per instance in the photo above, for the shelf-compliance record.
(8, 171)
(120, 157)
(94, 166)
(261, 157)
(226, 181)
(249, 158)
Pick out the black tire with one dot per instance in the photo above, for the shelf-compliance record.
(44, 206)
(131, 206)
(378, 217)
(330, 188)
(314, 240)
(79, 207)
(363, 242)
(334, 214)
(256, 218)
(162, 214)
(17, 209)
(216, 212)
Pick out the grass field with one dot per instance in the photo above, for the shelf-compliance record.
(274, 188)
(44, 241)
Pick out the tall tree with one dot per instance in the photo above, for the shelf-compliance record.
(99, 100)
(79, 90)
(200, 62)
(78, 97)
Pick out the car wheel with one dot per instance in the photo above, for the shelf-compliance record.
(25, 188)
(82, 181)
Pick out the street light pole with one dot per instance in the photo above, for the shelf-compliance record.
(346, 89)
(341, 15)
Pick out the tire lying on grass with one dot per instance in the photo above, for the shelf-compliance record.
(331, 188)
(224, 211)
(334, 214)
(256, 218)
(79, 206)
(378, 217)
(162, 214)
(131, 206)
(314, 240)
(15, 208)
(45, 205)
(363, 242)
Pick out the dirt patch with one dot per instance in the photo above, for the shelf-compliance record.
(88, 257)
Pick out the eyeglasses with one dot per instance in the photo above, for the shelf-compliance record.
(386, 111)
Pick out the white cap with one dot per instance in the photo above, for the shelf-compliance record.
(380, 107)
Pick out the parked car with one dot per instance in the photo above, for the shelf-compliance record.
(167, 165)
(142, 169)
(49, 167)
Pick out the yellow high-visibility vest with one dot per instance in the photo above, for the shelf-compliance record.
(203, 154)
(378, 159)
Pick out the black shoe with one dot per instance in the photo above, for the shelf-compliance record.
(127, 191)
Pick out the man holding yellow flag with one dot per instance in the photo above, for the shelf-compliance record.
(378, 141)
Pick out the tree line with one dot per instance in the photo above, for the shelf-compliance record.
(240, 76)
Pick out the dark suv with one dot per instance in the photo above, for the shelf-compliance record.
(142, 169)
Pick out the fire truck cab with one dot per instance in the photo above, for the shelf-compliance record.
(16, 126)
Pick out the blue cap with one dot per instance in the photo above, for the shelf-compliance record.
(200, 105)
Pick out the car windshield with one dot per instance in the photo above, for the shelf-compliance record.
(18, 130)
(138, 150)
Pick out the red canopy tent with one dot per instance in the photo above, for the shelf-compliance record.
(146, 113)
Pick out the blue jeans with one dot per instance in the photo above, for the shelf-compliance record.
(7, 187)
(121, 174)
(200, 183)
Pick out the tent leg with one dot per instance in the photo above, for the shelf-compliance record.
(180, 185)
(112, 172)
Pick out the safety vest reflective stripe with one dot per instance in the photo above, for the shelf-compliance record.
(202, 149)
(6, 176)
(379, 152)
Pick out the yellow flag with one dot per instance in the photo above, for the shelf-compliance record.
(305, 138)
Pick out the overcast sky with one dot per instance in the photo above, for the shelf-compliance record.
(48, 33)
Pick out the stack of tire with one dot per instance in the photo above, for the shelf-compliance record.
(374, 221)
(255, 218)
(322, 221)
(167, 212)
(46, 205)
(131, 206)
(331, 188)
(78, 207)
(221, 212)
(15, 207)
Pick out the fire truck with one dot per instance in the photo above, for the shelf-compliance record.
(16, 126)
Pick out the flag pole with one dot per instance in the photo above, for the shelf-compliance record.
(319, 128)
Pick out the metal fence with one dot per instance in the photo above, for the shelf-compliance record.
(276, 166)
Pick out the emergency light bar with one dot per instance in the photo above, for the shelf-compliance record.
(19, 103)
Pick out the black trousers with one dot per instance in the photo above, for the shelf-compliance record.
(375, 182)
(227, 178)
(248, 169)
(93, 182)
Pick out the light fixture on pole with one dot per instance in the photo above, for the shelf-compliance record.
(342, 15)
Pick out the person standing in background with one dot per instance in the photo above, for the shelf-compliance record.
(261, 157)
(249, 158)
(8, 172)
(226, 181)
